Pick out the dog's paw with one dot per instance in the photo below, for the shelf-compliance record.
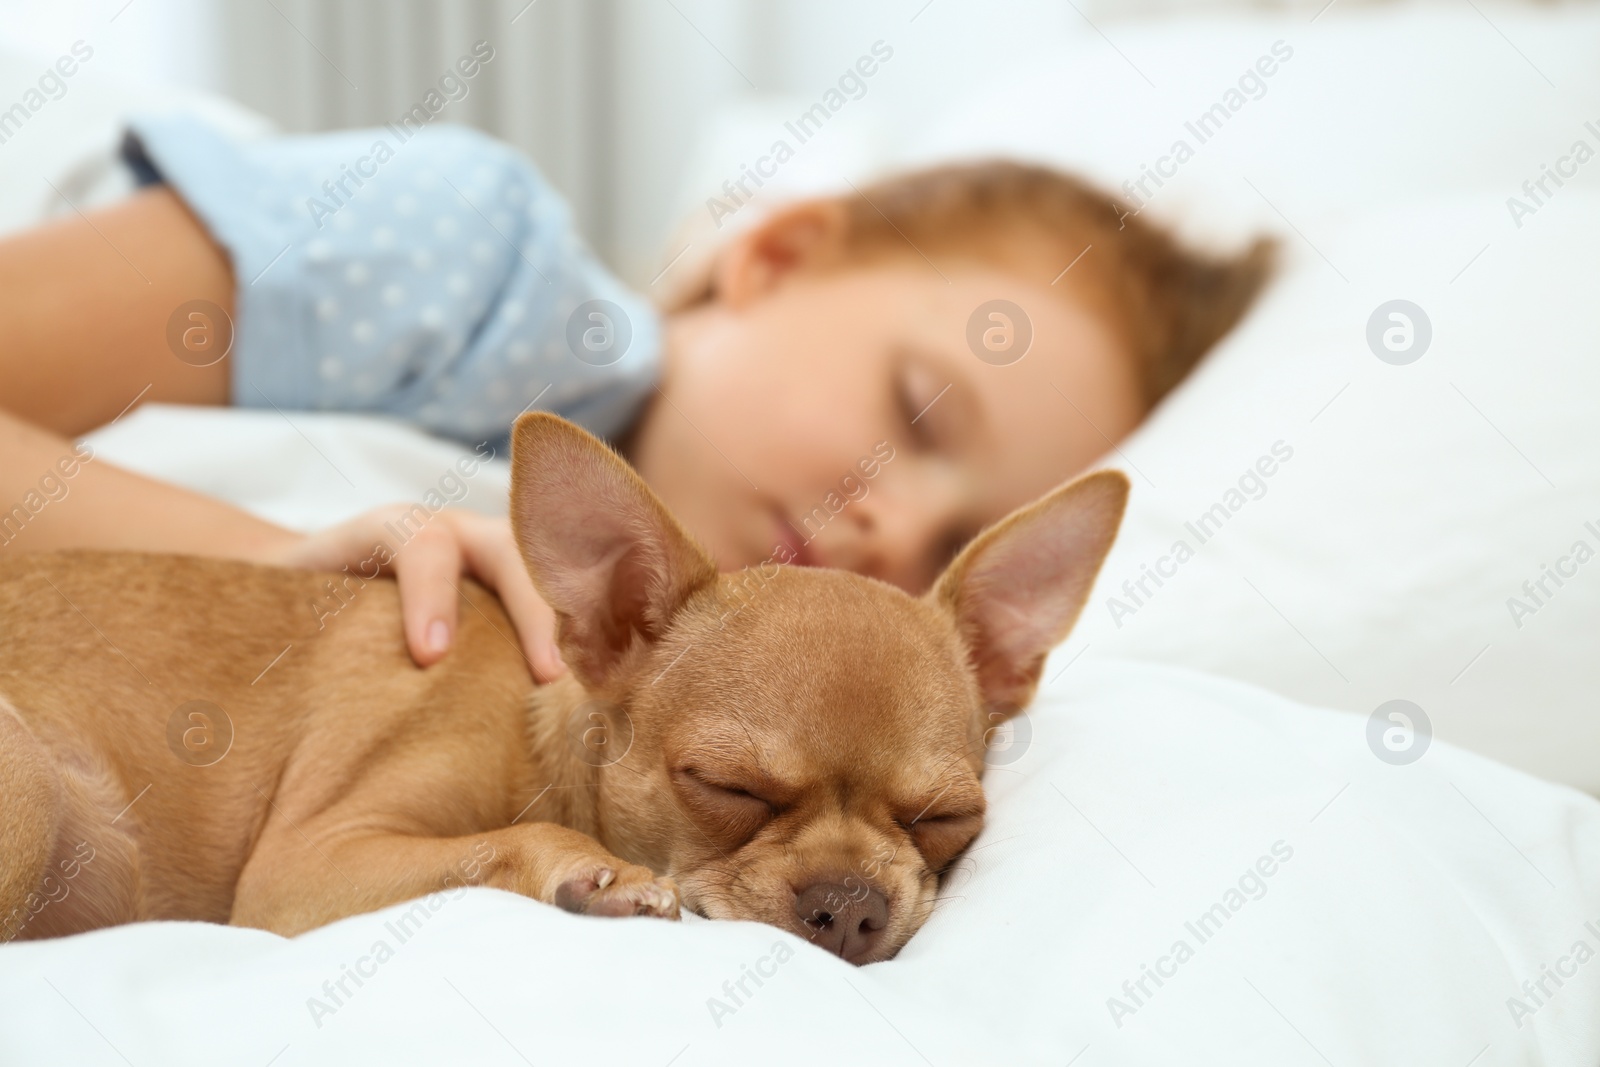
(618, 889)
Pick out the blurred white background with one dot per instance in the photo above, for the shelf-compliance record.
(623, 103)
(636, 109)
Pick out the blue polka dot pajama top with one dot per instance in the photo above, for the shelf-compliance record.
(432, 275)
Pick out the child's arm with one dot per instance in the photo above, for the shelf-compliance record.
(69, 499)
(56, 496)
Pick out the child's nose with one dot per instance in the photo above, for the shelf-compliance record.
(894, 537)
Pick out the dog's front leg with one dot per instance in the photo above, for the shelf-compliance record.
(294, 883)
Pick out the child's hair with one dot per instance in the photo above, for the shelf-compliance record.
(1169, 303)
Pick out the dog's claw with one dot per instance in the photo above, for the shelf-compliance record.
(633, 890)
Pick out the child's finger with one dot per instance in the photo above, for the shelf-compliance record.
(493, 558)
(428, 570)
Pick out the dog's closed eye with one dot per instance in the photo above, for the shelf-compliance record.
(731, 813)
(942, 837)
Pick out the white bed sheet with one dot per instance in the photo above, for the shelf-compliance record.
(1413, 903)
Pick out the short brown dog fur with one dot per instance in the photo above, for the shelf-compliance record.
(808, 754)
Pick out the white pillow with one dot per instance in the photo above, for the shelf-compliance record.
(1373, 106)
(1386, 559)
(1372, 912)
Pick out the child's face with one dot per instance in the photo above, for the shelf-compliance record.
(841, 414)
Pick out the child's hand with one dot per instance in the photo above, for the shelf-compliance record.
(429, 567)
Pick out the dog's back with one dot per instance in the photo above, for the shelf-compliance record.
(154, 708)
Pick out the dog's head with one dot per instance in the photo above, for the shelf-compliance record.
(802, 747)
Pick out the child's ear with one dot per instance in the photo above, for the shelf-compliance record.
(1017, 590)
(603, 551)
(755, 261)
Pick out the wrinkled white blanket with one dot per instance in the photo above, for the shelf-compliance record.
(1177, 869)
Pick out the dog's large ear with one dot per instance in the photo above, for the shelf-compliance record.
(1017, 590)
(603, 551)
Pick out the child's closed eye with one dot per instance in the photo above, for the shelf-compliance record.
(918, 393)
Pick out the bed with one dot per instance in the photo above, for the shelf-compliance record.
(1211, 840)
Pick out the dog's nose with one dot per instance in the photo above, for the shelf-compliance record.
(847, 920)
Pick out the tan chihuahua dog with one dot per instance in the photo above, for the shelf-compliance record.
(178, 741)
